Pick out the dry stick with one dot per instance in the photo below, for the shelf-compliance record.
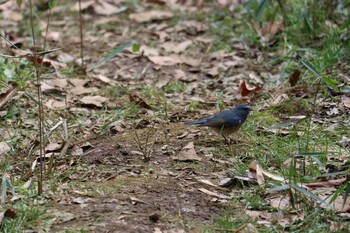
(81, 34)
(40, 113)
(47, 29)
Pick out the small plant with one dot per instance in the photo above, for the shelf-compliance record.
(144, 144)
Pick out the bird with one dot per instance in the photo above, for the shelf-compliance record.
(226, 122)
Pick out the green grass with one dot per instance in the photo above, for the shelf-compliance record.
(27, 217)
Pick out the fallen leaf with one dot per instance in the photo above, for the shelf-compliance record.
(245, 91)
(105, 8)
(65, 58)
(48, 89)
(134, 98)
(279, 202)
(293, 79)
(53, 147)
(176, 48)
(94, 100)
(214, 194)
(81, 90)
(148, 16)
(135, 200)
(4, 148)
(54, 104)
(7, 94)
(346, 101)
(259, 175)
(333, 111)
(187, 153)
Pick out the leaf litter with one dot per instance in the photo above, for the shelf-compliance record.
(119, 187)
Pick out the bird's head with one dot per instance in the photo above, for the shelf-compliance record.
(243, 108)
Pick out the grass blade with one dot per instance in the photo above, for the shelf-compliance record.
(111, 55)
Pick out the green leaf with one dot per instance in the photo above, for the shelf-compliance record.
(135, 47)
(19, 2)
(52, 4)
(279, 126)
(331, 82)
(332, 174)
(345, 25)
(308, 65)
(346, 194)
(279, 188)
(111, 55)
(309, 154)
(310, 194)
(6, 184)
(3, 189)
(261, 8)
(336, 194)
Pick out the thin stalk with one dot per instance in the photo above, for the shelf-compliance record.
(81, 35)
(40, 110)
(47, 29)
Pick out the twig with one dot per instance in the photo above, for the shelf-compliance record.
(81, 35)
(40, 110)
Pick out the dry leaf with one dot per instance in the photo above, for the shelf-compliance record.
(105, 8)
(94, 100)
(259, 175)
(148, 16)
(279, 202)
(187, 153)
(81, 90)
(176, 48)
(7, 94)
(245, 91)
(54, 104)
(134, 98)
(4, 148)
(65, 58)
(293, 79)
(214, 194)
(346, 101)
(135, 200)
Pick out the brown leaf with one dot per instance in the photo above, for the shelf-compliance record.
(214, 194)
(7, 94)
(293, 79)
(148, 16)
(4, 148)
(245, 91)
(346, 101)
(10, 213)
(39, 60)
(94, 100)
(134, 98)
(187, 153)
(48, 89)
(81, 90)
(54, 104)
(176, 48)
(105, 8)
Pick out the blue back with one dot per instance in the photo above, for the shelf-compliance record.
(226, 119)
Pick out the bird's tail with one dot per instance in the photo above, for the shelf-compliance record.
(200, 122)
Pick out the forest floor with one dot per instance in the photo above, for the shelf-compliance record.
(118, 157)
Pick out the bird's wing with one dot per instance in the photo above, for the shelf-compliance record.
(218, 121)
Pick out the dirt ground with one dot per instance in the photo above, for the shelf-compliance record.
(132, 109)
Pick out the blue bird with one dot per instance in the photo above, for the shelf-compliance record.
(226, 122)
